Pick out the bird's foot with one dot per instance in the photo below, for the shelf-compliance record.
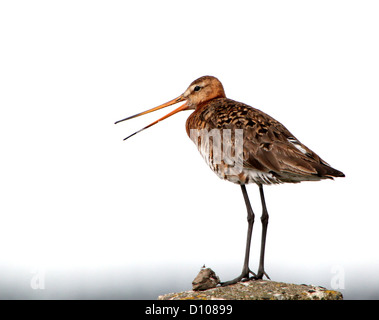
(260, 274)
(245, 276)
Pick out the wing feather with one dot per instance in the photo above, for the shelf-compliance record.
(268, 145)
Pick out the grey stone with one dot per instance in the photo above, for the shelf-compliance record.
(206, 279)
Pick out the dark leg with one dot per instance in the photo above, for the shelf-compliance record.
(264, 219)
(250, 220)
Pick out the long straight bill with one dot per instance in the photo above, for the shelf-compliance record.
(171, 102)
(181, 108)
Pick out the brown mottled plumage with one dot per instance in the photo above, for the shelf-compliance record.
(244, 145)
(268, 148)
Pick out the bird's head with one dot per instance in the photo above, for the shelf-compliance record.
(203, 90)
(197, 94)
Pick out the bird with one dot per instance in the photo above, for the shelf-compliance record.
(244, 145)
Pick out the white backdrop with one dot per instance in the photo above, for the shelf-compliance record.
(84, 214)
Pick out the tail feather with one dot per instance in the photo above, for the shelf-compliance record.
(327, 171)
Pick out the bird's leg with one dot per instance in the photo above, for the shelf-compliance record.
(264, 219)
(250, 220)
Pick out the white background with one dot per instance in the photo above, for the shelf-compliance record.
(92, 216)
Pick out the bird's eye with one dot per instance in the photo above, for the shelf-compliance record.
(197, 88)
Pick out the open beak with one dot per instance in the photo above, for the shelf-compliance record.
(174, 101)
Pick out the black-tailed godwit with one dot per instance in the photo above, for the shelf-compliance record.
(244, 145)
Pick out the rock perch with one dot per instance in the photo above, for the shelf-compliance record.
(258, 290)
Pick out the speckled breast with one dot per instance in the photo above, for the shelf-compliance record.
(223, 151)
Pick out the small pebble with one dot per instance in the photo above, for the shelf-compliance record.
(206, 279)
